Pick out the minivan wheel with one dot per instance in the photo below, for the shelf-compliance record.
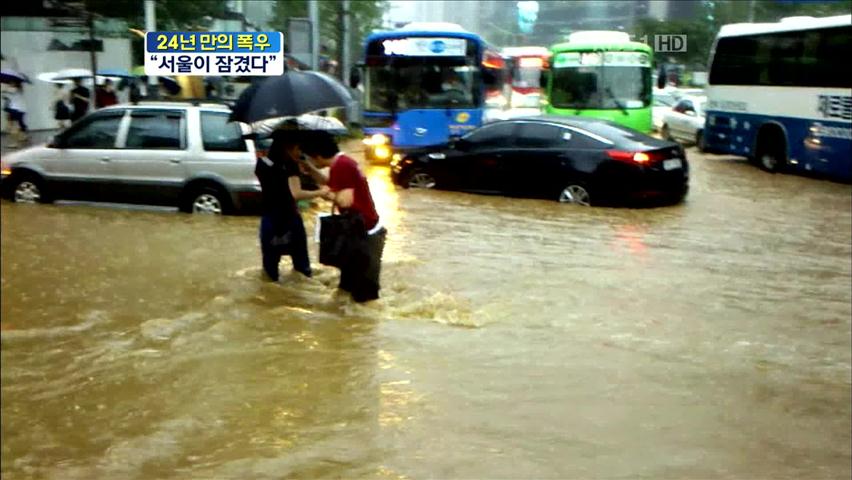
(28, 189)
(205, 200)
(576, 194)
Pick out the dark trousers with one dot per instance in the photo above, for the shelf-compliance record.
(362, 281)
(271, 230)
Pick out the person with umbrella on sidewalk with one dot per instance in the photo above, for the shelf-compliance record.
(282, 231)
(16, 109)
(79, 100)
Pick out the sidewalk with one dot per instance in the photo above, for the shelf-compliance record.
(37, 137)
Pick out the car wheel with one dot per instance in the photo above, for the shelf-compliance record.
(665, 133)
(206, 200)
(28, 188)
(576, 194)
(421, 179)
(699, 141)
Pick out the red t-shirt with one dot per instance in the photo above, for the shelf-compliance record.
(345, 174)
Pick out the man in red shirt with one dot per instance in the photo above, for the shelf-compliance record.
(351, 193)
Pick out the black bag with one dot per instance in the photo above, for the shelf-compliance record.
(343, 241)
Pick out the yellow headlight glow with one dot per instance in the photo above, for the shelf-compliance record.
(382, 152)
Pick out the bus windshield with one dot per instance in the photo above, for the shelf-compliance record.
(420, 85)
(527, 76)
(601, 88)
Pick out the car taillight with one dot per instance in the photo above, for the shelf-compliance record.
(639, 158)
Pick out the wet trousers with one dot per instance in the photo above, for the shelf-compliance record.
(362, 280)
(284, 236)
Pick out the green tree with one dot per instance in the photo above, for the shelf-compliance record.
(699, 39)
(365, 16)
(171, 14)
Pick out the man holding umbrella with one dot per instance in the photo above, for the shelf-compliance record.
(79, 100)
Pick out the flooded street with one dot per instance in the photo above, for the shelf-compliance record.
(514, 339)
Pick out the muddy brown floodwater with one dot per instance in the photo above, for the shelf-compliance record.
(514, 339)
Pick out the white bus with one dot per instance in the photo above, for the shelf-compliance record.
(781, 95)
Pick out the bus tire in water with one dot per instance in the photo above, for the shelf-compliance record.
(771, 151)
(27, 187)
(205, 199)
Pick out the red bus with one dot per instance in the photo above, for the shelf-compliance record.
(528, 64)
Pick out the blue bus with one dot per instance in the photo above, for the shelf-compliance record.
(780, 94)
(424, 84)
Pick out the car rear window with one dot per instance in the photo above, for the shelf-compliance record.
(219, 135)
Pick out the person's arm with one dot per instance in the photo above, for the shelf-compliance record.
(298, 194)
(343, 198)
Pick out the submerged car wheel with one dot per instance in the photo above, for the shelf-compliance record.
(28, 188)
(576, 194)
(421, 179)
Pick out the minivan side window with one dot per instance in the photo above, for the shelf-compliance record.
(156, 129)
(98, 132)
(219, 135)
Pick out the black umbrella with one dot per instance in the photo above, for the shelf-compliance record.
(289, 95)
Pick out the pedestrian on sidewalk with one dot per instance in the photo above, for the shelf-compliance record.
(80, 96)
(61, 107)
(16, 110)
(105, 95)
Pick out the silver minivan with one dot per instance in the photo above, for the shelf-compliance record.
(156, 153)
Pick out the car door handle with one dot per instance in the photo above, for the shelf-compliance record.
(174, 160)
(105, 159)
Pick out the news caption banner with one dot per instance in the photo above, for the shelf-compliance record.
(214, 53)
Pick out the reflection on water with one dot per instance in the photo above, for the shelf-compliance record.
(515, 338)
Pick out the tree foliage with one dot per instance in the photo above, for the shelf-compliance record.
(171, 14)
(702, 30)
(365, 16)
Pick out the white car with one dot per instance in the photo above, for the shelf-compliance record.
(685, 121)
(155, 153)
(663, 102)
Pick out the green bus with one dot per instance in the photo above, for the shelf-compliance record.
(603, 75)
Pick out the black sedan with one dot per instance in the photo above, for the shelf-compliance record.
(570, 159)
